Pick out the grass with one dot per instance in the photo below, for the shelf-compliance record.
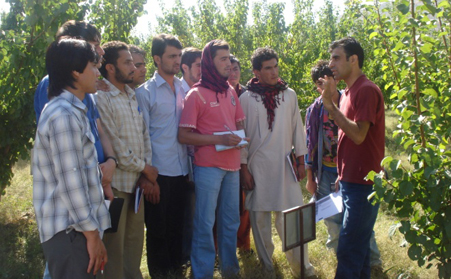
(21, 254)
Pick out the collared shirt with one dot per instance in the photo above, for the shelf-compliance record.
(67, 193)
(124, 124)
(41, 99)
(190, 148)
(205, 115)
(161, 109)
(185, 86)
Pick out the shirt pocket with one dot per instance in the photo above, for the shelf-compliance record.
(90, 137)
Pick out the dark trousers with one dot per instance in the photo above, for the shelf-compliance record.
(67, 255)
(164, 222)
(188, 221)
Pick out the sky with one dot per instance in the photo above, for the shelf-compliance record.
(152, 8)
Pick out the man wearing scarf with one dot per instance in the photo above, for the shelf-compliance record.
(212, 106)
(274, 125)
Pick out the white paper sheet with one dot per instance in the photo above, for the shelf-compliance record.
(329, 206)
(239, 133)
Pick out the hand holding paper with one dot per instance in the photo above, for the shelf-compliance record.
(232, 135)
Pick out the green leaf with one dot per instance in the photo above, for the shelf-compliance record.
(431, 92)
(406, 188)
(414, 252)
(372, 35)
(426, 48)
(404, 9)
(386, 161)
(444, 4)
(408, 143)
(428, 171)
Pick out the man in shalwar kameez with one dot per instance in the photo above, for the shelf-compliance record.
(274, 125)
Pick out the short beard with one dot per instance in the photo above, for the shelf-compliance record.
(120, 77)
(191, 77)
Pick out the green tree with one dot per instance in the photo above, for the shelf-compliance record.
(418, 64)
(26, 31)
(179, 22)
(116, 18)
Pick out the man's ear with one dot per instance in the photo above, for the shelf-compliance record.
(110, 69)
(157, 59)
(185, 68)
(256, 73)
(354, 58)
(76, 75)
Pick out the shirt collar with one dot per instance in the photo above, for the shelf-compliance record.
(114, 91)
(160, 80)
(185, 85)
(73, 100)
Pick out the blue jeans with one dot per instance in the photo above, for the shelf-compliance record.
(334, 223)
(46, 271)
(353, 252)
(217, 191)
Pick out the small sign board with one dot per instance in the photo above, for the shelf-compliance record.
(299, 226)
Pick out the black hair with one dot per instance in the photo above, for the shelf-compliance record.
(189, 56)
(217, 45)
(62, 58)
(111, 55)
(351, 46)
(137, 50)
(159, 43)
(233, 59)
(321, 69)
(261, 55)
(80, 29)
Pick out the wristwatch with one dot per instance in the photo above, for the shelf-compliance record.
(112, 158)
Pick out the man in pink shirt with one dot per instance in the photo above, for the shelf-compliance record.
(213, 106)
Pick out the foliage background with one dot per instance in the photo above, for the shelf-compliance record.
(408, 54)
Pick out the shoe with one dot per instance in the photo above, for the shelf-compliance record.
(378, 272)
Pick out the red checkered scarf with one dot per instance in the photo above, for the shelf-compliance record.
(270, 95)
(210, 77)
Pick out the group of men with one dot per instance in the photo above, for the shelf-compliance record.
(160, 136)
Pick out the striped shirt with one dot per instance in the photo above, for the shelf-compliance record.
(124, 124)
(67, 193)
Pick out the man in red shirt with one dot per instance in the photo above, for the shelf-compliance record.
(361, 142)
(213, 106)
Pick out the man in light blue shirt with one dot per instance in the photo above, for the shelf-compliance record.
(161, 102)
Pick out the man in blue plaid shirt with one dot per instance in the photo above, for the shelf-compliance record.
(67, 193)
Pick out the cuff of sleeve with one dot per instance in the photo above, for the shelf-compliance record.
(88, 224)
(301, 152)
(142, 165)
(243, 157)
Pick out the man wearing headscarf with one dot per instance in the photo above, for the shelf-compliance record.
(212, 106)
(274, 124)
